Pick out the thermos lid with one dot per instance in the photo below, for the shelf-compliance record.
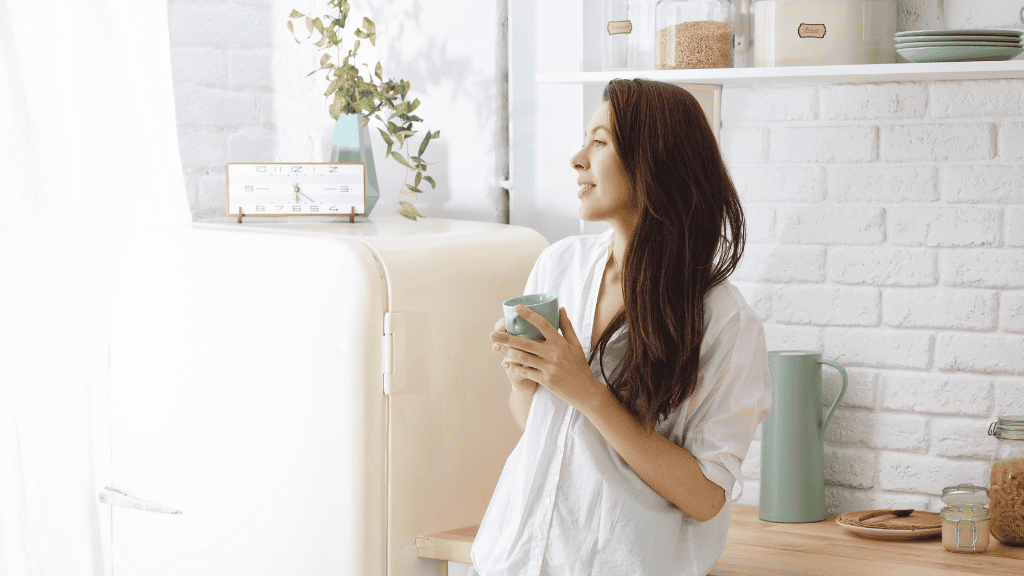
(965, 495)
(1008, 427)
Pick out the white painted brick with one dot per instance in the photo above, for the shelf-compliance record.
(827, 305)
(919, 15)
(779, 183)
(861, 388)
(199, 67)
(983, 268)
(1015, 226)
(853, 468)
(984, 184)
(212, 196)
(742, 145)
(208, 107)
(251, 69)
(878, 430)
(786, 337)
(251, 145)
(878, 348)
(977, 98)
(902, 472)
(933, 142)
(944, 226)
(960, 438)
(883, 266)
(781, 263)
(1011, 311)
(1011, 141)
(265, 104)
(936, 393)
(966, 14)
(769, 104)
(1009, 396)
(220, 24)
(760, 222)
(941, 308)
(823, 144)
(882, 183)
(828, 224)
(873, 101)
(202, 147)
(758, 297)
(987, 353)
(839, 499)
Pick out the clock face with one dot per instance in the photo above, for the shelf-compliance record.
(279, 189)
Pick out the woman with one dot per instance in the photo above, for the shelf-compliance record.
(637, 417)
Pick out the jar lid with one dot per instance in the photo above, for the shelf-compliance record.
(965, 495)
(1008, 427)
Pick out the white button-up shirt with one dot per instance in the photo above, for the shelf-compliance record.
(567, 504)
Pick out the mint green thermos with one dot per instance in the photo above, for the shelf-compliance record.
(792, 440)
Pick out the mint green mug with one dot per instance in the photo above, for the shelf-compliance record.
(544, 304)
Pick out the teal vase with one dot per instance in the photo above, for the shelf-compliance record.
(352, 144)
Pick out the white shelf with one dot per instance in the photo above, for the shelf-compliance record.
(853, 73)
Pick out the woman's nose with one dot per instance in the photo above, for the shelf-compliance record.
(577, 160)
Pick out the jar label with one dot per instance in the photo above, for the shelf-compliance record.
(811, 31)
(620, 27)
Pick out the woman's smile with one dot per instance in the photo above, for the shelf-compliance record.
(584, 188)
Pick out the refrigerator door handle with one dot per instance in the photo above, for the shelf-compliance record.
(116, 497)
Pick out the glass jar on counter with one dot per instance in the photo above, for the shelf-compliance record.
(694, 34)
(1006, 481)
(965, 519)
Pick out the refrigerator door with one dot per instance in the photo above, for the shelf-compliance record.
(245, 393)
(449, 427)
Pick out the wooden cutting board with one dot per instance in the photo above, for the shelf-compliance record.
(758, 548)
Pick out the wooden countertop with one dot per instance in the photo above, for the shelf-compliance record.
(758, 548)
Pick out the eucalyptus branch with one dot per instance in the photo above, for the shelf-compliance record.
(370, 96)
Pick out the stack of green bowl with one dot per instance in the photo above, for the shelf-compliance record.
(958, 45)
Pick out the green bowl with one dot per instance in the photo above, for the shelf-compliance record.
(958, 53)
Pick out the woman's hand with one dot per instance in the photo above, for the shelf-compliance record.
(519, 382)
(558, 362)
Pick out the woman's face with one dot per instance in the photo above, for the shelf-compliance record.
(605, 193)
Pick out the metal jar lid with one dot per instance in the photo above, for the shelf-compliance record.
(965, 495)
(1008, 428)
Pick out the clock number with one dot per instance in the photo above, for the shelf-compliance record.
(248, 188)
(296, 208)
(261, 169)
(333, 169)
(260, 209)
(344, 189)
(296, 168)
(314, 208)
(279, 208)
(333, 208)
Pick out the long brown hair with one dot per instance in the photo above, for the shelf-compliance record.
(688, 239)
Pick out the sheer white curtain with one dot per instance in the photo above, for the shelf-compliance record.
(88, 165)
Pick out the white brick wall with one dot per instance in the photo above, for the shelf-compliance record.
(220, 59)
(888, 228)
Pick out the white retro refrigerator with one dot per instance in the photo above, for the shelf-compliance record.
(304, 398)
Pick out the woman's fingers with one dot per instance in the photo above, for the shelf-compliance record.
(542, 324)
(499, 326)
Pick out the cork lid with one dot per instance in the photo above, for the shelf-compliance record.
(889, 520)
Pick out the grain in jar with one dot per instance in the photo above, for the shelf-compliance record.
(1006, 480)
(694, 34)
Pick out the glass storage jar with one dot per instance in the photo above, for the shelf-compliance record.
(628, 33)
(694, 34)
(965, 518)
(1006, 481)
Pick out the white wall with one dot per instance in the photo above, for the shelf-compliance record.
(242, 94)
(886, 220)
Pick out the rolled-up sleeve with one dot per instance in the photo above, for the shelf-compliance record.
(736, 397)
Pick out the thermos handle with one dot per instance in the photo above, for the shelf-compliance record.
(842, 390)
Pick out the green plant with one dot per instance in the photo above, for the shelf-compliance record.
(370, 95)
